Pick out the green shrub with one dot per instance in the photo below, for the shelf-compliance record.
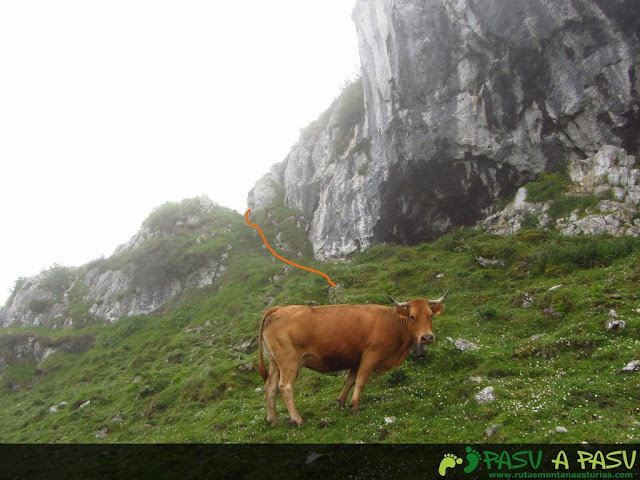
(562, 207)
(549, 186)
(41, 305)
(349, 111)
(487, 312)
(533, 236)
(350, 108)
(166, 216)
(58, 279)
(585, 252)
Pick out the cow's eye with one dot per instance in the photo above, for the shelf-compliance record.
(412, 317)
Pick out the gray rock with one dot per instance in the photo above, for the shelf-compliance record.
(116, 294)
(56, 408)
(33, 304)
(463, 345)
(101, 434)
(486, 396)
(631, 367)
(247, 367)
(491, 430)
(598, 224)
(489, 262)
(615, 324)
(244, 346)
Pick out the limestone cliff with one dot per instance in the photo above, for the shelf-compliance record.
(464, 101)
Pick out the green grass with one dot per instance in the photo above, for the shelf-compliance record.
(187, 374)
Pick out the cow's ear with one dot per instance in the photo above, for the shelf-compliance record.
(437, 308)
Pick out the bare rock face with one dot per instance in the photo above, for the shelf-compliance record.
(33, 303)
(610, 168)
(464, 101)
(115, 294)
(329, 172)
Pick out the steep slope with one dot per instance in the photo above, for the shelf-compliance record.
(537, 313)
(464, 102)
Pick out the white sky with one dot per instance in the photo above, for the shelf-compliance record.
(108, 109)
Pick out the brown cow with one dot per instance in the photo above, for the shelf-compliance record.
(358, 338)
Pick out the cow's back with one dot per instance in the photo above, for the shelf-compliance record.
(329, 338)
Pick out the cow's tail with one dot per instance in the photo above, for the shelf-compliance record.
(261, 368)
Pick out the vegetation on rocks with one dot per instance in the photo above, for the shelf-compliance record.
(187, 373)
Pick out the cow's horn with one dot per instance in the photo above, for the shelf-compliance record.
(441, 299)
(398, 304)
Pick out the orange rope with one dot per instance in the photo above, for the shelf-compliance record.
(246, 219)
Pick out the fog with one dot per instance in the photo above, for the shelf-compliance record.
(109, 109)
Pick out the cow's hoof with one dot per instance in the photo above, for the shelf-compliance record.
(340, 403)
(295, 422)
(273, 422)
(354, 409)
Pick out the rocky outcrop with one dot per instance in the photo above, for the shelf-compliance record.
(18, 347)
(115, 294)
(33, 303)
(610, 172)
(611, 169)
(464, 102)
(329, 172)
(141, 276)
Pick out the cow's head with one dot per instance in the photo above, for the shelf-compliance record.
(420, 313)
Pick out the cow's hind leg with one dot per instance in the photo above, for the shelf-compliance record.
(271, 388)
(287, 377)
(351, 379)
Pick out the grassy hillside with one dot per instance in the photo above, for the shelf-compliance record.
(187, 374)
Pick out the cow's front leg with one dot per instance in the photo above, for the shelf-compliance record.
(351, 379)
(364, 372)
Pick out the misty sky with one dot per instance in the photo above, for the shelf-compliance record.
(109, 109)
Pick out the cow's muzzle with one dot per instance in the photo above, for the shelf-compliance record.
(427, 338)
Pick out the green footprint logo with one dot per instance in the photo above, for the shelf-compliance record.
(473, 457)
(449, 461)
